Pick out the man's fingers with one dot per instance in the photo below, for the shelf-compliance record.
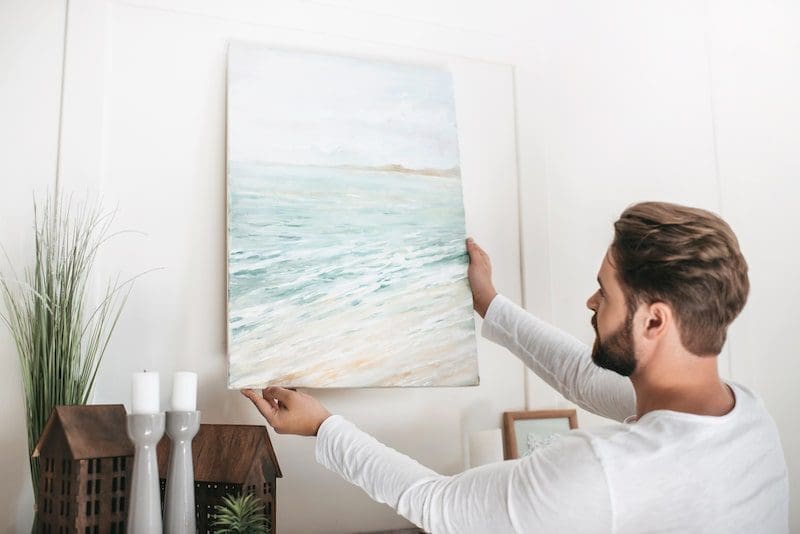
(473, 248)
(266, 407)
(283, 395)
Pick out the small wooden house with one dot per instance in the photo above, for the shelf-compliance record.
(85, 461)
(228, 460)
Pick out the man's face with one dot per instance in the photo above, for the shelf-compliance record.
(613, 324)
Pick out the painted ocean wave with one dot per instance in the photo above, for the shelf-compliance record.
(343, 277)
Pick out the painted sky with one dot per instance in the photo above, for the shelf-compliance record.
(318, 109)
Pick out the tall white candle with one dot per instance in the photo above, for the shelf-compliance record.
(145, 393)
(184, 391)
(485, 447)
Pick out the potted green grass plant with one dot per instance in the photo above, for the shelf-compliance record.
(60, 336)
(240, 514)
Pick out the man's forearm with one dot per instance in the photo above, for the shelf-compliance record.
(559, 359)
(503, 497)
(367, 462)
(472, 501)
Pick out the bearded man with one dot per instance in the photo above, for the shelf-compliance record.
(689, 452)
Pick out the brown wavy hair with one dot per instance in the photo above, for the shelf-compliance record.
(688, 258)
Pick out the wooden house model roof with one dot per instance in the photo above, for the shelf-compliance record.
(90, 431)
(225, 453)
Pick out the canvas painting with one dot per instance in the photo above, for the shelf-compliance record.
(346, 242)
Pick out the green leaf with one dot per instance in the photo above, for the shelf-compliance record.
(240, 514)
(60, 344)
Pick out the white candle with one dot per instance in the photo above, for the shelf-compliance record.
(485, 447)
(145, 393)
(184, 392)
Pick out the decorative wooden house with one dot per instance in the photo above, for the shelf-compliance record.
(228, 460)
(85, 460)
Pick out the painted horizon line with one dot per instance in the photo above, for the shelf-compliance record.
(452, 172)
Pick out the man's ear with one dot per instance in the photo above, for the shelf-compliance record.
(656, 319)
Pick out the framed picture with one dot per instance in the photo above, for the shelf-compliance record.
(523, 432)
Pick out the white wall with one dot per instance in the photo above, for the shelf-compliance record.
(687, 102)
(31, 37)
(615, 102)
(755, 55)
(144, 125)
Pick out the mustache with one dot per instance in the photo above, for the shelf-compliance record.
(594, 321)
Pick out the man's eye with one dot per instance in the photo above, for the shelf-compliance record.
(601, 292)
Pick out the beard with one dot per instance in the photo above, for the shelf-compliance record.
(615, 353)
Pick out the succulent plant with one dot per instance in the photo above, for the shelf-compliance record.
(240, 514)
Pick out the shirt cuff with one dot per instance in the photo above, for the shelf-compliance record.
(330, 421)
(324, 433)
(492, 329)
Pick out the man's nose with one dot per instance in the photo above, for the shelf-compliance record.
(591, 303)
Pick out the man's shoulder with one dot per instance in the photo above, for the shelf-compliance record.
(584, 445)
(656, 433)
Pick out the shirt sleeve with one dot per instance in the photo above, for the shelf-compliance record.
(560, 360)
(559, 488)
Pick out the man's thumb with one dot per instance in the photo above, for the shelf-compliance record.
(282, 394)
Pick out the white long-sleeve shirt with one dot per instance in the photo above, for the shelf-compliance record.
(667, 471)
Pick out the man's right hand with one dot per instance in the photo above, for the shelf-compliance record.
(289, 411)
(480, 278)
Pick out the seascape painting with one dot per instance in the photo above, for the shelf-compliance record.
(346, 242)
